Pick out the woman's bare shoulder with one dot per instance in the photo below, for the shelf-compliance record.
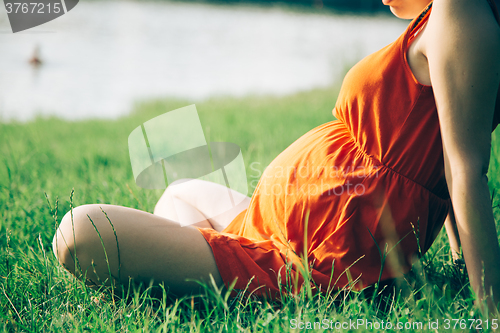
(462, 46)
(455, 24)
(461, 18)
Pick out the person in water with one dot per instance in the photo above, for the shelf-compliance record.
(408, 152)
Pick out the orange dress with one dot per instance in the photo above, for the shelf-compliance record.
(360, 196)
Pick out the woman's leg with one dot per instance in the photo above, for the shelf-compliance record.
(201, 203)
(150, 248)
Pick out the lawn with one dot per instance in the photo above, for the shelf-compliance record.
(43, 161)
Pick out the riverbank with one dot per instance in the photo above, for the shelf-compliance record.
(181, 49)
(54, 157)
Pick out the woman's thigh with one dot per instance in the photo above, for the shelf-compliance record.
(142, 246)
(212, 202)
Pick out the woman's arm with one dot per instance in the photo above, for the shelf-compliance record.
(462, 46)
(452, 232)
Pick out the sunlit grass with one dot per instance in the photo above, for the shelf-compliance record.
(54, 156)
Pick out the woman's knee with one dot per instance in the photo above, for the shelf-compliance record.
(76, 239)
(165, 207)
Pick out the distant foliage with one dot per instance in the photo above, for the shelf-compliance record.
(366, 6)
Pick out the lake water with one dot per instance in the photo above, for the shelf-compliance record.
(101, 57)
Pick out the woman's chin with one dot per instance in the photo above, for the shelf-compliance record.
(406, 9)
(401, 13)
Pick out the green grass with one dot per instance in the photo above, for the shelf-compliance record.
(53, 156)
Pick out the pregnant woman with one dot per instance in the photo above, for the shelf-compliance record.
(409, 152)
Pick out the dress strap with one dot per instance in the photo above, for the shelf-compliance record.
(418, 23)
(422, 15)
